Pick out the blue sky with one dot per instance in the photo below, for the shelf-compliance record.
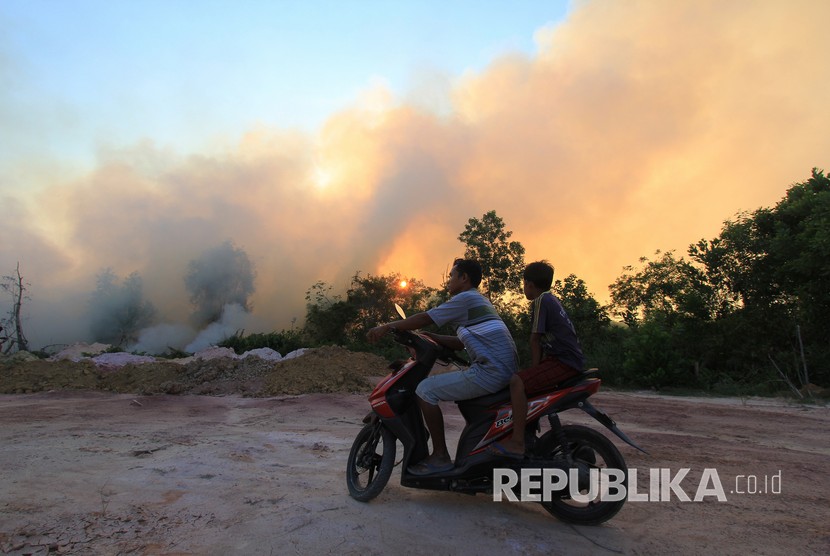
(87, 74)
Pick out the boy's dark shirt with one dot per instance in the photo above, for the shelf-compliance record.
(559, 336)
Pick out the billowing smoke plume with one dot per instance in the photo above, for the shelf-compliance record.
(220, 283)
(222, 276)
(637, 126)
(119, 311)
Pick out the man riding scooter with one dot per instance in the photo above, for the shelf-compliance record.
(487, 341)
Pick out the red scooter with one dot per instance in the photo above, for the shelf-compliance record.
(567, 450)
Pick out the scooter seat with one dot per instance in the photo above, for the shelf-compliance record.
(496, 398)
(584, 375)
(502, 396)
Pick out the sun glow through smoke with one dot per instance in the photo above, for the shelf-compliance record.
(322, 178)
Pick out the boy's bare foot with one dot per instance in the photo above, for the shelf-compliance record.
(506, 448)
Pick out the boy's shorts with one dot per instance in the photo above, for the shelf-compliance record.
(544, 376)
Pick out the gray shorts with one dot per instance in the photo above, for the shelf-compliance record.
(447, 387)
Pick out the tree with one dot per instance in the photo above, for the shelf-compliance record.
(668, 304)
(588, 316)
(369, 300)
(669, 287)
(11, 329)
(374, 297)
(118, 312)
(772, 269)
(751, 306)
(502, 261)
(327, 316)
(220, 276)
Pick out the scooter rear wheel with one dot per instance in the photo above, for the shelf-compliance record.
(590, 450)
(371, 461)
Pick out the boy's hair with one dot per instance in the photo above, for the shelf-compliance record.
(471, 268)
(540, 274)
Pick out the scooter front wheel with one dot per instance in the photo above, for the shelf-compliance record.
(370, 463)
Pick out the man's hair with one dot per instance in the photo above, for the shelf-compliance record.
(471, 268)
(540, 274)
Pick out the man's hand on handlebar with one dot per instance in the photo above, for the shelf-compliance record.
(414, 322)
(375, 334)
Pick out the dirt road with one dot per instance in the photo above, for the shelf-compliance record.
(94, 473)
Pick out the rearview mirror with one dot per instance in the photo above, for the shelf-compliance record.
(400, 311)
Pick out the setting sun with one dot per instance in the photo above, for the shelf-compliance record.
(403, 283)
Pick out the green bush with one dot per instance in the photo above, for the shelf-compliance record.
(283, 342)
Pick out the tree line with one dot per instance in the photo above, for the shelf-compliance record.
(746, 311)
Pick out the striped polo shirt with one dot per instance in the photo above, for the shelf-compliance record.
(485, 337)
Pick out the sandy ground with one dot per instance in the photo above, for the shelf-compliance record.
(96, 473)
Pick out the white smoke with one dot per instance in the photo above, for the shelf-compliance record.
(162, 338)
(234, 319)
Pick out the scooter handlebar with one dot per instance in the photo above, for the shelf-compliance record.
(410, 338)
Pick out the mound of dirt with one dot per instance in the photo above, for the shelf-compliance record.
(326, 369)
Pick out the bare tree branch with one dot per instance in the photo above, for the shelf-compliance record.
(15, 337)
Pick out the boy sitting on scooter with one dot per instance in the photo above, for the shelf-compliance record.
(554, 349)
(487, 340)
